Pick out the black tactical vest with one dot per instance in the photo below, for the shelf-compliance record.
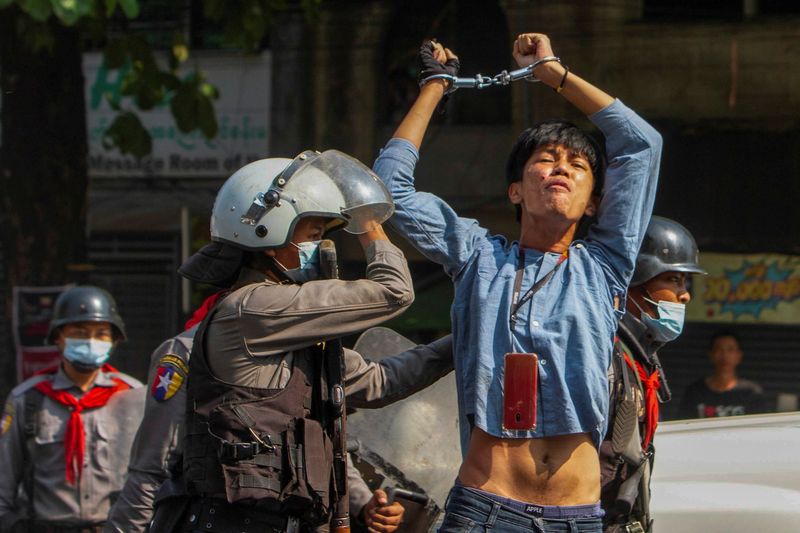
(265, 448)
(624, 466)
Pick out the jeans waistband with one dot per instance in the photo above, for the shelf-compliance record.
(537, 510)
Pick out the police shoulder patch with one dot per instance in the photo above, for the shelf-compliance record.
(170, 375)
(7, 419)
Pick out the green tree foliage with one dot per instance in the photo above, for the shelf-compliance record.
(148, 81)
(44, 177)
(245, 23)
(149, 84)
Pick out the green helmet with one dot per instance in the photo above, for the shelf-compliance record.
(85, 304)
(667, 247)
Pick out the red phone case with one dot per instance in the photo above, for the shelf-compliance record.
(519, 391)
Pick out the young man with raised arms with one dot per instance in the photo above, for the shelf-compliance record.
(547, 294)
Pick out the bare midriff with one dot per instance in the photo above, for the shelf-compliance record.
(562, 470)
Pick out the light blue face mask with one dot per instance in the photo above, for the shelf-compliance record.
(308, 252)
(87, 353)
(669, 324)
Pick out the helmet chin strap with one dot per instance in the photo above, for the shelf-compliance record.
(634, 333)
(652, 301)
(646, 297)
(277, 268)
(638, 328)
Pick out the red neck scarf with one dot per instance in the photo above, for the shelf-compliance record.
(203, 310)
(651, 385)
(75, 436)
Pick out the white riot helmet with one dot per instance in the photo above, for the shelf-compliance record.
(258, 206)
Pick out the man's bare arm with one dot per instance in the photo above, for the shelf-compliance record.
(416, 121)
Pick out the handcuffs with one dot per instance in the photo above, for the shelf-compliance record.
(481, 82)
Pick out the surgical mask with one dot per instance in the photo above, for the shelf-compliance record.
(669, 324)
(87, 353)
(308, 252)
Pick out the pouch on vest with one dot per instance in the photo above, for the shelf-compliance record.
(629, 491)
(268, 465)
(318, 452)
(253, 462)
(626, 439)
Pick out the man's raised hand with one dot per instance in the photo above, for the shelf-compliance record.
(531, 47)
(435, 59)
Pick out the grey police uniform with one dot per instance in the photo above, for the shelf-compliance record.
(157, 449)
(259, 334)
(38, 444)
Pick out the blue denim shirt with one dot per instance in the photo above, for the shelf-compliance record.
(570, 322)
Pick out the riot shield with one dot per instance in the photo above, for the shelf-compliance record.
(412, 444)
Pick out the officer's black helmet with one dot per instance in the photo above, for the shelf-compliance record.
(667, 247)
(85, 304)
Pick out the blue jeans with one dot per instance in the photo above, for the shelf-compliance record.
(471, 511)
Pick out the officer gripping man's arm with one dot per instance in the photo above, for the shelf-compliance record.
(157, 451)
(258, 420)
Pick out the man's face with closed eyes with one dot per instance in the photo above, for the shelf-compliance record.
(556, 182)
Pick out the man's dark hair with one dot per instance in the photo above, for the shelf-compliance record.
(555, 132)
(724, 333)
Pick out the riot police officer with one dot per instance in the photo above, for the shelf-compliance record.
(263, 393)
(658, 294)
(157, 449)
(65, 439)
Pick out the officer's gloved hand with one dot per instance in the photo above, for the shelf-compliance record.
(433, 59)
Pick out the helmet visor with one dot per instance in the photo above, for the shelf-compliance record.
(365, 200)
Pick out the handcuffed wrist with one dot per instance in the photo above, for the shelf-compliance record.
(545, 63)
(447, 79)
(442, 79)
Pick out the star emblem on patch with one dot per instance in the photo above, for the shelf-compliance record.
(170, 375)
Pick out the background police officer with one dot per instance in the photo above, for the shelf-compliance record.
(66, 438)
(654, 315)
(157, 447)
